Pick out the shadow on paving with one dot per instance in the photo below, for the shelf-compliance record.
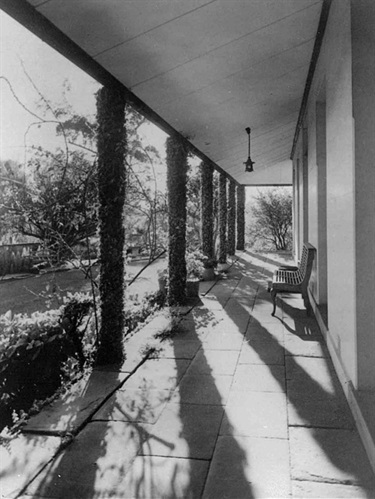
(94, 458)
(154, 437)
(267, 259)
(202, 396)
(320, 422)
(255, 271)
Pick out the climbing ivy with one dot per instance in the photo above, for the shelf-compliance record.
(207, 229)
(241, 217)
(176, 183)
(222, 218)
(232, 218)
(111, 144)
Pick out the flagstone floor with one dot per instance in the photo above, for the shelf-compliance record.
(237, 404)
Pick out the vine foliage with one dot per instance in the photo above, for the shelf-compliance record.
(176, 183)
(232, 218)
(207, 227)
(111, 144)
(223, 213)
(240, 217)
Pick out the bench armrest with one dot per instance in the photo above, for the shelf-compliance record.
(288, 267)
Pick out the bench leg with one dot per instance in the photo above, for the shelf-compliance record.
(306, 302)
(273, 295)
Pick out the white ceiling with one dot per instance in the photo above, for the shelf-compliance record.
(210, 68)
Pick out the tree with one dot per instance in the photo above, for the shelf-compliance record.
(272, 218)
(146, 203)
(55, 203)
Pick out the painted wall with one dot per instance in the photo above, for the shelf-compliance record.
(363, 81)
(334, 75)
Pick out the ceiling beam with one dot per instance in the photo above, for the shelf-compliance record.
(310, 75)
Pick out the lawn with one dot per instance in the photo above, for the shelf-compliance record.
(23, 295)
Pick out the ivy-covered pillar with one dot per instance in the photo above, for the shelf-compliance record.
(232, 218)
(176, 184)
(207, 216)
(111, 145)
(240, 217)
(222, 218)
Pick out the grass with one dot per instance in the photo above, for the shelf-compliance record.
(24, 295)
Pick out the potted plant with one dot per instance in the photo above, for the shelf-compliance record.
(194, 270)
(209, 265)
(223, 267)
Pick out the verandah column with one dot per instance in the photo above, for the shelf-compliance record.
(232, 218)
(207, 217)
(222, 218)
(176, 184)
(111, 145)
(240, 217)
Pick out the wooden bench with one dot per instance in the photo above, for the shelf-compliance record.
(294, 279)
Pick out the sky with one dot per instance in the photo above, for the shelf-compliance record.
(48, 69)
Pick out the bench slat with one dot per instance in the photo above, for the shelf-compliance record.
(294, 281)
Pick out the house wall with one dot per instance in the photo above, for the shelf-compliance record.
(363, 82)
(340, 206)
(298, 204)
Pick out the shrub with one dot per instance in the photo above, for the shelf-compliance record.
(39, 352)
(42, 352)
(138, 311)
(194, 264)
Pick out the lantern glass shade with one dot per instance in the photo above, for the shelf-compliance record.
(249, 163)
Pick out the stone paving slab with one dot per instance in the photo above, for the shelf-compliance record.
(134, 405)
(205, 286)
(69, 412)
(223, 289)
(269, 419)
(238, 313)
(93, 465)
(224, 337)
(214, 361)
(21, 457)
(305, 347)
(203, 389)
(261, 314)
(162, 374)
(302, 326)
(245, 467)
(184, 430)
(259, 378)
(262, 351)
(204, 317)
(314, 490)
(210, 302)
(315, 394)
(152, 477)
(317, 409)
(267, 332)
(318, 369)
(190, 329)
(179, 349)
(333, 456)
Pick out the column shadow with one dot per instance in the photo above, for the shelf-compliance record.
(311, 404)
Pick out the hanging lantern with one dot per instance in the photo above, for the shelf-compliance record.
(249, 163)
